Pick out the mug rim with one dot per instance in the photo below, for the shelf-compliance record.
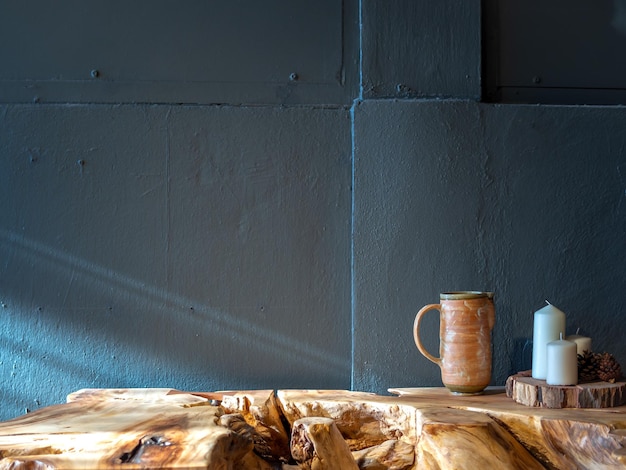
(465, 294)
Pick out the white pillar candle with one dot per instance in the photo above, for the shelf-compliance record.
(549, 323)
(562, 363)
(583, 343)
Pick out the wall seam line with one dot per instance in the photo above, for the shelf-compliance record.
(352, 200)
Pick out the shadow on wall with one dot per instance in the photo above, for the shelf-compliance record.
(139, 336)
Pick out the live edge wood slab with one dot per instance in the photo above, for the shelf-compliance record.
(415, 428)
(522, 388)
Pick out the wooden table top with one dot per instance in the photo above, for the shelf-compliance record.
(166, 428)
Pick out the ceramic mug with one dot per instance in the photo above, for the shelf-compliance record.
(465, 325)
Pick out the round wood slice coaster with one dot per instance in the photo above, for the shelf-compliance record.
(525, 390)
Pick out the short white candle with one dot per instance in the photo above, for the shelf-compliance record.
(562, 363)
(583, 343)
(549, 322)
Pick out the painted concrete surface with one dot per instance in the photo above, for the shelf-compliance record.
(112, 51)
(525, 201)
(209, 247)
(421, 49)
(189, 247)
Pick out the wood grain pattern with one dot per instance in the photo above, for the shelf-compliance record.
(440, 436)
(316, 444)
(391, 454)
(100, 429)
(527, 391)
(569, 438)
(261, 410)
(417, 428)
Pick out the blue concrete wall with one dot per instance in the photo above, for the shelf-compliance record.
(289, 244)
(525, 201)
(185, 247)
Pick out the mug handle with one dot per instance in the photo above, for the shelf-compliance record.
(416, 332)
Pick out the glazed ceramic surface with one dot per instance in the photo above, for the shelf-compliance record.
(466, 321)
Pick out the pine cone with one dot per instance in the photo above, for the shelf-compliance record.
(587, 367)
(608, 368)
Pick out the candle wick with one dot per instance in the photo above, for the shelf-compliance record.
(548, 303)
(577, 330)
(561, 335)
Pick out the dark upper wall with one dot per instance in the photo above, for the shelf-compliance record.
(195, 52)
(558, 52)
(421, 49)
